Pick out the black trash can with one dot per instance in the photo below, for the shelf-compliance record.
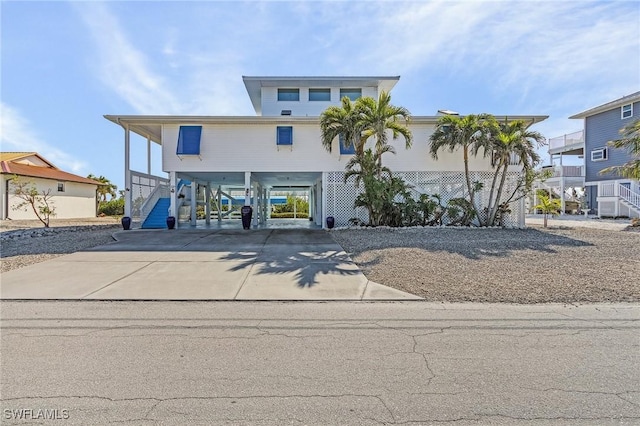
(330, 222)
(246, 212)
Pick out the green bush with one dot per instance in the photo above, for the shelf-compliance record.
(112, 207)
(289, 215)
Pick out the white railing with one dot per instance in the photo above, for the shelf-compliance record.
(607, 189)
(160, 191)
(628, 195)
(568, 171)
(142, 185)
(569, 139)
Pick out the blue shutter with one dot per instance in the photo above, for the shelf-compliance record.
(344, 150)
(285, 135)
(189, 140)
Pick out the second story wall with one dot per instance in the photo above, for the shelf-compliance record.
(251, 146)
(599, 129)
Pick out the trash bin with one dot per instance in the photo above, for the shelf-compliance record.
(330, 222)
(246, 212)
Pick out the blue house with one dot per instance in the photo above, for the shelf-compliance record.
(609, 194)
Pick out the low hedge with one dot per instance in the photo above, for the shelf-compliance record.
(289, 215)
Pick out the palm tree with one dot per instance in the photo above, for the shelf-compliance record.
(468, 133)
(377, 118)
(105, 188)
(509, 141)
(631, 142)
(341, 121)
(549, 206)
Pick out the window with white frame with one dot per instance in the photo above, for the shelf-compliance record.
(599, 154)
(320, 94)
(352, 94)
(626, 111)
(60, 186)
(288, 95)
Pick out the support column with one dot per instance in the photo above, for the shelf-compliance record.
(562, 188)
(247, 188)
(207, 203)
(127, 172)
(194, 204)
(148, 155)
(219, 200)
(268, 215)
(324, 200)
(173, 206)
(254, 219)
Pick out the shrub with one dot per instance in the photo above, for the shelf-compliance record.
(289, 215)
(112, 207)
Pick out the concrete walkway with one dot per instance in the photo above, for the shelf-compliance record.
(202, 264)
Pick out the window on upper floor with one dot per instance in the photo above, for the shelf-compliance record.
(60, 186)
(284, 135)
(320, 94)
(599, 154)
(626, 111)
(189, 140)
(288, 94)
(343, 148)
(352, 94)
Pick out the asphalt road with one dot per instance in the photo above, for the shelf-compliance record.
(338, 363)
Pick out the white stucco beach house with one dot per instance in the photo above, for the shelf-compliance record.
(223, 162)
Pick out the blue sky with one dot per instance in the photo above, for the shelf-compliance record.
(66, 64)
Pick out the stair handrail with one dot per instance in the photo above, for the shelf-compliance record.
(629, 196)
(160, 191)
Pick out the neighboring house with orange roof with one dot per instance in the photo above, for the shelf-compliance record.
(73, 196)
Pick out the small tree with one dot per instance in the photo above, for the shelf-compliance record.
(549, 206)
(41, 202)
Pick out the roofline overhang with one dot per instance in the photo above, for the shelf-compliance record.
(625, 100)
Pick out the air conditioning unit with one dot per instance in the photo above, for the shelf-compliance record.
(599, 154)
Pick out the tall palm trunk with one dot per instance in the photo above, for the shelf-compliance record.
(496, 203)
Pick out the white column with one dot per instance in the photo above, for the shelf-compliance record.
(173, 206)
(324, 200)
(148, 155)
(194, 204)
(247, 188)
(207, 203)
(127, 172)
(268, 215)
(254, 219)
(219, 200)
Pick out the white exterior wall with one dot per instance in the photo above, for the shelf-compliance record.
(77, 201)
(304, 108)
(252, 147)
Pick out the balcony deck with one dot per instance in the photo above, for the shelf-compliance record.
(569, 144)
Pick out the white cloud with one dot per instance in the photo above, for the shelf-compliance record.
(122, 67)
(17, 134)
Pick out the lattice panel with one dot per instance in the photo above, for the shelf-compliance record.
(449, 185)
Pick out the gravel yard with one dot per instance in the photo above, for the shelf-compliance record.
(25, 242)
(565, 264)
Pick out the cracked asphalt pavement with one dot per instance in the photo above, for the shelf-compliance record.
(272, 363)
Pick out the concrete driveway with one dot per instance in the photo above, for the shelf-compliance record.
(202, 264)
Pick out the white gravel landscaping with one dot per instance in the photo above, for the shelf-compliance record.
(567, 263)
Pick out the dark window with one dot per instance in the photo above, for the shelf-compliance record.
(288, 94)
(626, 111)
(60, 187)
(352, 94)
(319, 94)
(284, 135)
(189, 140)
(343, 149)
(285, 112)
